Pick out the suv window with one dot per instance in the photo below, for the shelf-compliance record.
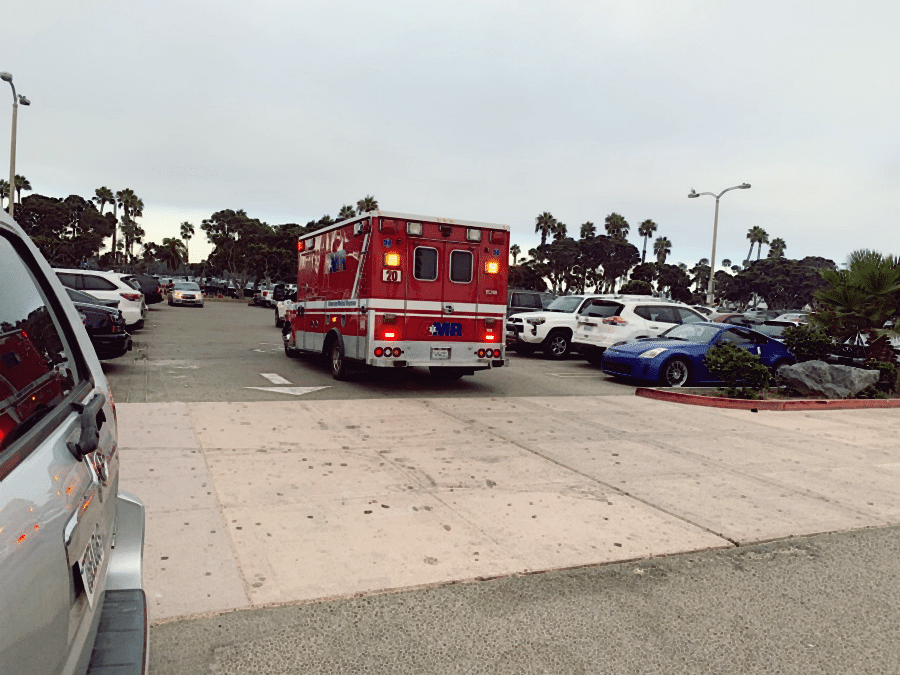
(659, 313)
(601, 308)
(529, 300)
(37, 369)
(92, 283)
(687, 316)
(70, 280)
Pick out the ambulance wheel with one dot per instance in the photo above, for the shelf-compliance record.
(339, 368)
(447, 374)
(290, 353)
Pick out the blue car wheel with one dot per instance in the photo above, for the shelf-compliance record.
(675, 373)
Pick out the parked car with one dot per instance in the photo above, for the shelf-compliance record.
(795, 317)
(549, 330)
(519, 301)
(604, 321)
(81, 296)
(676, 358)
(148, 285)
(71, 602)
(186, 293)
(106, 330)
(108, 286)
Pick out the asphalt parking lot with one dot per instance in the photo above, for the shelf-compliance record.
(259, 499)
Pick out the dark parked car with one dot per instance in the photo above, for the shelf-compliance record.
(106, 329)
(149, 286)
(87, 298)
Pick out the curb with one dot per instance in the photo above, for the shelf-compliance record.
(742, 404)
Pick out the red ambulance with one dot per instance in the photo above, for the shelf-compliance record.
(392, 290)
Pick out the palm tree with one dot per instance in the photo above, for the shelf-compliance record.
(366, 204)
(776, 248)
(123, 197)
(4, 191)
(346, 212)
(756, 235)
(103, 196)
(544, 224)
(726, 262)
(662, 247)
(616, 226)
(172, 252)
(763, 239)
(21, 184)
(559, 231)
(588, 230)
(515, 251)
(646, 229)
(187, 232)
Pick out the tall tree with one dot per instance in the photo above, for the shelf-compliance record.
(187, 232)
(346, 212)
(645, 230)
(366, 204)
(726, 262)
(123, 197)
(21, 184)
(756, 235)
(588, 230)
(172, 252)
(4, 191)
(763, 238)
(544, 225)
(515, 251)
(616, 226)
(662, 247)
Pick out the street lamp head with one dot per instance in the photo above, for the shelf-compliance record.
(6, 77)
(25, 101)
(693, 193)
(745, 186)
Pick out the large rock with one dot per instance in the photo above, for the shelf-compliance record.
(820, 379)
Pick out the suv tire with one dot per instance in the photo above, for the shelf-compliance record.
(557, 345)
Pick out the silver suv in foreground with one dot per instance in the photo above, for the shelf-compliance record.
(71, 543)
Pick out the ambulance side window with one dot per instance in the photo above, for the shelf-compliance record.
(461, 266)
(425, 264)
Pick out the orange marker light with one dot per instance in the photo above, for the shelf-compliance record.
(301, 245)
(392, 260)
(492, 267)
(23, 538)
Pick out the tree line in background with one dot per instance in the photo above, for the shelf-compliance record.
(608, 263)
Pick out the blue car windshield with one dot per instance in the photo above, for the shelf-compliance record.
(692, 332)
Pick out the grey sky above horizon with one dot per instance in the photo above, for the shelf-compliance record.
(490, 110)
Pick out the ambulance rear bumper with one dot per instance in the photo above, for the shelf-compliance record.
(431, 354)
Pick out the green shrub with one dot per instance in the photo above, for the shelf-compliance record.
(807, 343)
(742, 372)
(888, 379)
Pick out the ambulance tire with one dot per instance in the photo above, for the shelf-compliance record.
(447, 374)
(340, 370)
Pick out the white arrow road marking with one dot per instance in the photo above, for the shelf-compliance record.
(274, 378)
(294, 391)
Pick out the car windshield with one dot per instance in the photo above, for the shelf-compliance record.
(186, 286)
(567, 304)
(692, 332)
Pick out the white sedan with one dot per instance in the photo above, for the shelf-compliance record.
(186, 293)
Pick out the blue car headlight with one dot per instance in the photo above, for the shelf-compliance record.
(652, 353)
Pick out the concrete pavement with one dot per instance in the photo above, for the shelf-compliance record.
(251, 504)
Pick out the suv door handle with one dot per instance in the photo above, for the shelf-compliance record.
(92, 418)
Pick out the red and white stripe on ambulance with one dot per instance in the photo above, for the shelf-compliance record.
(404, 288)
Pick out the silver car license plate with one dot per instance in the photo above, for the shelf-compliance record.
(89, 565)
(440, 353)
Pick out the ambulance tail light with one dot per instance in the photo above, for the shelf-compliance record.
(492, 267)
(489, 354)
(392, 259)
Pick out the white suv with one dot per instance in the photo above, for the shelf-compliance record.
(108, 286)
(602, 322)
(549, 330)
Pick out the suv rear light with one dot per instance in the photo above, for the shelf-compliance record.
(615, 321)
(131, 296)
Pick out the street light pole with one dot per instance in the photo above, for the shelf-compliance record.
(712, 261)
(17, 99)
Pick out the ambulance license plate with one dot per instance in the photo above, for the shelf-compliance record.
(442, 353)
(89, 565)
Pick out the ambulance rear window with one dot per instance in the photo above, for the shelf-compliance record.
(461, 266)
(425, 264)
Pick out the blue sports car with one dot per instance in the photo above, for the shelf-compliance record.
(675, 358)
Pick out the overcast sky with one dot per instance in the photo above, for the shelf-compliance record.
(488, 110)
